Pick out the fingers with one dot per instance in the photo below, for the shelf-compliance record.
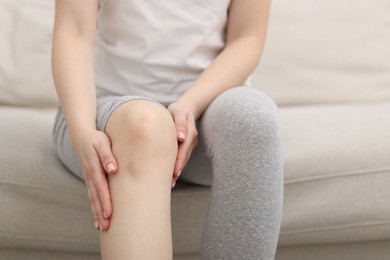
(185, 148)
(186, 135)
(103, 149)
(184, 153)
(99, 161)
(100, 222)
(104, 198)
(183, 156)
(99, 197)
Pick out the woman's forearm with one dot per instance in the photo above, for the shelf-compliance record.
(72, 62)
(246, 31)
(231, 68)
(72, 65)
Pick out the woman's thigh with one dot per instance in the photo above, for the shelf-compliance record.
(237, 108)
(105, 107)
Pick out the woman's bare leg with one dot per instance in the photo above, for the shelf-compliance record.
(145, 145)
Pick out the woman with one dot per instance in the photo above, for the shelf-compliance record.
(137, 81)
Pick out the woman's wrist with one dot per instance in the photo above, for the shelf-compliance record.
(191, 106)
(80, 133)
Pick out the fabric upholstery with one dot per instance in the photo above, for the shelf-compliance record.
(336, 183)
(25, 46)
(316, 52)
(334, 51)
(337, 169)
(373, 250)
(47, 207)
(377, 250)
(337, 173)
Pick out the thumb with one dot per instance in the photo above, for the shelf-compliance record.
(107, 159)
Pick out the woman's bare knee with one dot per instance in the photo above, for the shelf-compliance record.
(142, 131)
(139, 120)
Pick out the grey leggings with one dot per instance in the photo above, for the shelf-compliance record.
(240, 156)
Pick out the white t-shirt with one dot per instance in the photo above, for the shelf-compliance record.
(156, 48)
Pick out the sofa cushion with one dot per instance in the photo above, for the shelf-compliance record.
(43, 206)
(25, 73)
(333, 51)
(337, 174)
(316, 52)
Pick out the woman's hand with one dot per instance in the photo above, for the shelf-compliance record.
(187, 136)
(94, 151)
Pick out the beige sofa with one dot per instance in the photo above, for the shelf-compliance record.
(327, 65)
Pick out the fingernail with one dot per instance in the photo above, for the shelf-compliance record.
(182, 135)
(96, 225)
(173, 185)
(110, 167)
(179, 174)
(104, 215)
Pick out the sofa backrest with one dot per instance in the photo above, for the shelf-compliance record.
(25, 46)
(317, 51)
(327, 51)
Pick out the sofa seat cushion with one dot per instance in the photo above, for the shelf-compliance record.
(337, 173)
(43, 206)
(337, 176)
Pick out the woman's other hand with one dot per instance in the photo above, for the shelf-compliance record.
(187, 136)
(94, 151)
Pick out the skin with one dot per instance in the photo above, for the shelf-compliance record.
(73, 73)
(144, 142)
